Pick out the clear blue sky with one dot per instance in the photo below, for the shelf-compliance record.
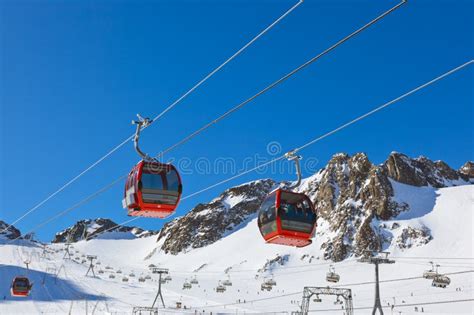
(74, 73)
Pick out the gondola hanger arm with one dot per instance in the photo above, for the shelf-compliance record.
(292, 156)
(141, 123)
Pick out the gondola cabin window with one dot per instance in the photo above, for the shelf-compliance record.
(268, 215)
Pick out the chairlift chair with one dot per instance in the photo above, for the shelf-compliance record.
(220, 288)
(187, 285)
(270, 282)
(265, 287)
(332, 276)
(441, 281)
(432, 272)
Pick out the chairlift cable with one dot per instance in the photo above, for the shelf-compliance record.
(301, 292)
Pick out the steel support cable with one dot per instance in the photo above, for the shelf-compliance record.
(176, 102)
(226, 62)
(397, 306)
(75, 206)
(282, 79)
(435, 258)
(266, 89)
(387, 104)
(342, 285)
(359, 118)
(444, 75)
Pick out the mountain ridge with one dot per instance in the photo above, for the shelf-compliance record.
(352, 196)
(91, 228)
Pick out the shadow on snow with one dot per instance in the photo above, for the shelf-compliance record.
(46, 287)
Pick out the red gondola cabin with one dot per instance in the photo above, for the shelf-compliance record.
(152, 190)
(287, 218)
(21, 287)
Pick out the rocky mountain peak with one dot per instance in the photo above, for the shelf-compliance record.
(421, 171)
(352, 195)
(468, 170)
(88, 229)
(207, 223)
(10, 233)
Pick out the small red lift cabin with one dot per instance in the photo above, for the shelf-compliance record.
(286, 217)
(21, 286)
(152, 189)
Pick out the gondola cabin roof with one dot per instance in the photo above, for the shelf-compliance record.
(152, 189)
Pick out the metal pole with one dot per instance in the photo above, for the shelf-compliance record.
(159, 294)
(377, 304)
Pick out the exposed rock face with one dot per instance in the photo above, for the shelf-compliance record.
(207, 223)
(88, 229)
(352, 196)
(413, 237)
(468, 170)
(10, 233)
(272, 263)
(421, 171)
(351, 191)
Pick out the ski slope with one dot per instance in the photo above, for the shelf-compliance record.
(241, 257)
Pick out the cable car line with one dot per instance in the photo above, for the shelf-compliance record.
(192, 89)
(275, 83)
(227, 61)
(387, 104)
(311, 142)
(75, 206)
(438, 78)
(282, 79)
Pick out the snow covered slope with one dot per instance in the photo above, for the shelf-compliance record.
(446, 214)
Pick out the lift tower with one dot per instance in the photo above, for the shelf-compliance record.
(91, 265)
(138, 310)
(377, 261)
(159, 271)
(309, 292)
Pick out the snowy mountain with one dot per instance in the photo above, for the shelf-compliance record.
(418, 210)
(354, 198)
(88, 229)
(10, 233)
(208, 223)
